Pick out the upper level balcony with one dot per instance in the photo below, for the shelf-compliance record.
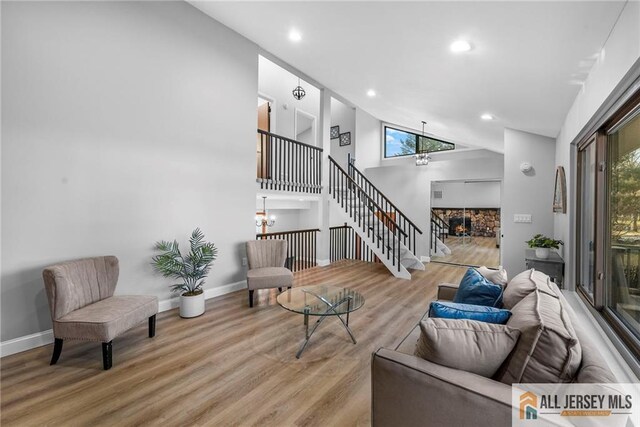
(283, 164)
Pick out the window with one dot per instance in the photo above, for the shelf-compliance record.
(622, 247)
(608, 244)
(399, 143)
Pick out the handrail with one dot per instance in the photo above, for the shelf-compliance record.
(284, 164)
(351, 165)
(279, 233)
(438, 220)
(352, 182)
(293, 141)
(301, 247)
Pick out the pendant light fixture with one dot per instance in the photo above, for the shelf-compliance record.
(299, 92)
(262, 220)
(422, 159)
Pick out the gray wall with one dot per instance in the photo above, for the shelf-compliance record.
(344, 116)
(619, 54)
(123, 123)
(467, 194)
(530, 193)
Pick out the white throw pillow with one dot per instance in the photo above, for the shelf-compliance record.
(499, 276)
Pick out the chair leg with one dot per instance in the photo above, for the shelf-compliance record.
(107, 359)
(152, 326)
(57, 349)
(250, 298)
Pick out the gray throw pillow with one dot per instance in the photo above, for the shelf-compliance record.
(548, 350)
(467, 345)
(523, 284)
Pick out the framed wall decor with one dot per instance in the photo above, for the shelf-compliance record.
(335, 132)
(345, 139)
(560, 192)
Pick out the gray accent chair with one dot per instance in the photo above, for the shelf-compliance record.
(83, 306)
(267, 266)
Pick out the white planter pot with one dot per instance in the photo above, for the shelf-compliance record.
(542, 252)
(192, 306)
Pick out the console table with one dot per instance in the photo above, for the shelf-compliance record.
(552, 266)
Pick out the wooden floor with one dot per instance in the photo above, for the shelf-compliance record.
(475, 251)
(232, 366)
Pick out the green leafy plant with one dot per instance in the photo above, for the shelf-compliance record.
(542, 241)
(192, 268)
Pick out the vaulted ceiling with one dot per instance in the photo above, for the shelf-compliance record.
(527, 63)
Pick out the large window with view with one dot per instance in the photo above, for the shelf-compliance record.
(608, 243)
(399, 143)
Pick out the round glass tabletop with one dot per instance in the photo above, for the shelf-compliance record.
(321, 300)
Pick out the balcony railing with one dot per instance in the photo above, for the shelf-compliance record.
(287, 165)
(301, 247)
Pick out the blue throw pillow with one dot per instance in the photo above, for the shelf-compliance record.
(452, 310)
(475, 289)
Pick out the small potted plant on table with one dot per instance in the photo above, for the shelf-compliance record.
(190, 269)
(543, 244)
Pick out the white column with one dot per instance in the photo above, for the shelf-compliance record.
(324, 205)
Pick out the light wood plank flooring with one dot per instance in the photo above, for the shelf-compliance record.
(475, 251)
(232, 366)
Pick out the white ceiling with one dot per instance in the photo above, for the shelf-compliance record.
(525, 68)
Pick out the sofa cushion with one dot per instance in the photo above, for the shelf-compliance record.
(452, 310)
(523, 284)
(269, 277)
(548, 350)
(499, 276)
(107, 318)
(468, 345)
(475, 289)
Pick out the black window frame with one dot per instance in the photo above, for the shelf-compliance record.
(418, 137)
(600, 300)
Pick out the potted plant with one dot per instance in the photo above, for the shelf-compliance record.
(543, 244)
(190, 269)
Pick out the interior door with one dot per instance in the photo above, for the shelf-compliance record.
(264, 123)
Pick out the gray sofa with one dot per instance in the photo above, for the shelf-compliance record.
(410, 391)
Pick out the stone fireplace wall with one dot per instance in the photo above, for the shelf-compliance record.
(484, 221)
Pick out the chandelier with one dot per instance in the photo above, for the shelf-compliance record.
(262, 220)
(298, 91)
(422, 159)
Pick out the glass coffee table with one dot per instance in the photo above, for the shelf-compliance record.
(322, 301)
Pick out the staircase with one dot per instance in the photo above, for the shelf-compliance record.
(439, 233)
(379, 223)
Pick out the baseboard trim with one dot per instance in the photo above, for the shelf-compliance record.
(28, 342)
(323, 262)
(425, 258)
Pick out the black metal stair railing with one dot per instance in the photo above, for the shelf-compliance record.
(438, 229)
(344, 243)
(368, 215)
(301, 247)
(405, 224)
(287, 165)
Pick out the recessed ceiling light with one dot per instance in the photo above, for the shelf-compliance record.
(295, 36)
(460, 46)
(371, 93)
(487, 117)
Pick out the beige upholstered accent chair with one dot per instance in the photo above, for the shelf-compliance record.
(83, 306)
(266, 266)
